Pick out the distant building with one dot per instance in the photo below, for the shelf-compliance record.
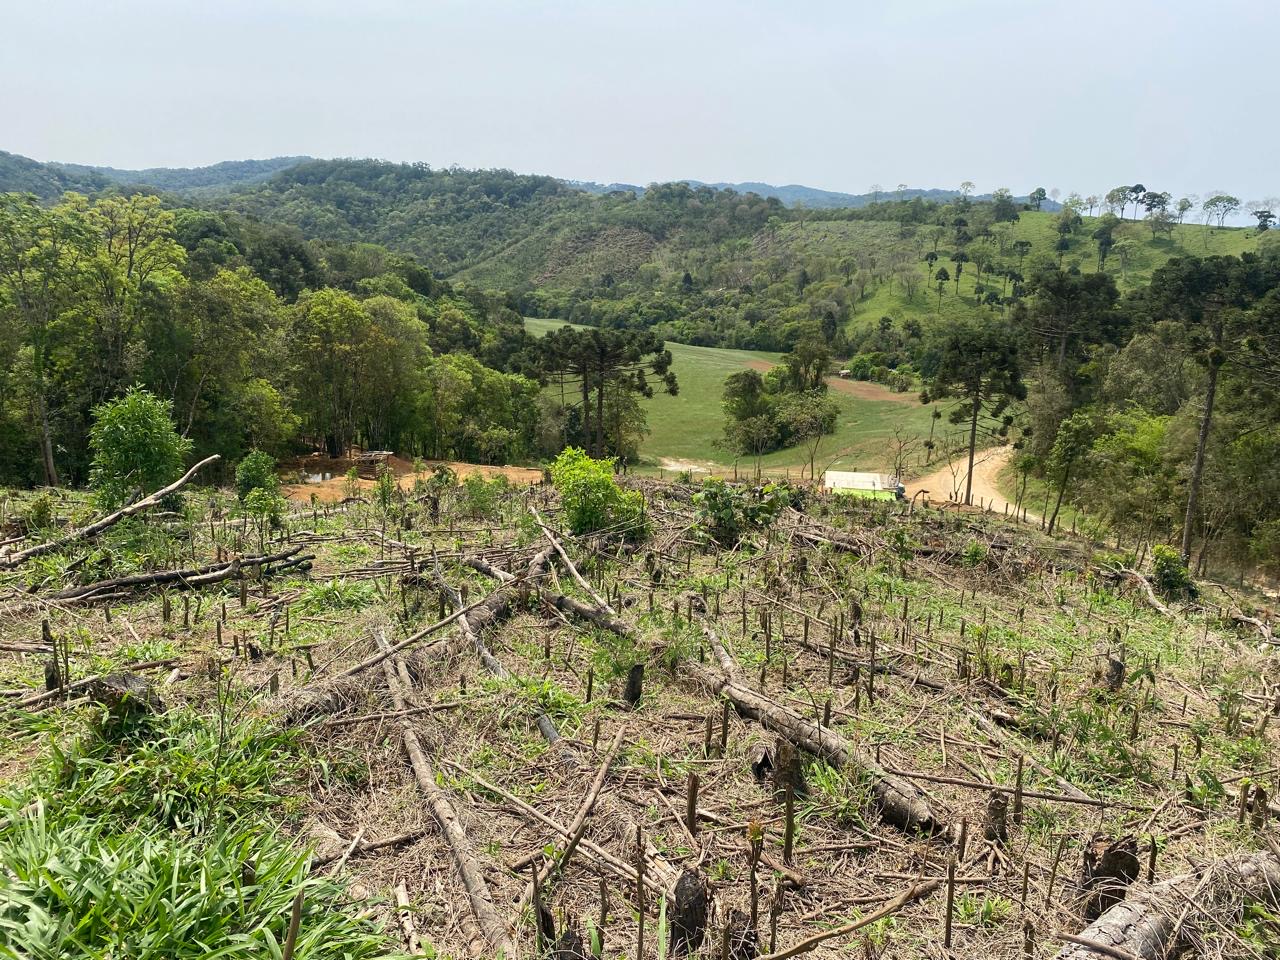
(875, 486)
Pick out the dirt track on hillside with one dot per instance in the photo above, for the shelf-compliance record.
(947, 483)
(334, 490)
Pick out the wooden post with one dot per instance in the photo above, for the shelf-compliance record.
(691, 805)
(951, 903)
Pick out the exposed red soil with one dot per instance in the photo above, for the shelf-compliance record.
(334, 490)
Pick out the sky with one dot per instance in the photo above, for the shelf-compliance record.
(1085, 95)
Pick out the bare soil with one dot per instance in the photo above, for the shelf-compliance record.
(335, 490)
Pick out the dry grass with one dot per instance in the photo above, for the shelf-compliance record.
(1028, 615)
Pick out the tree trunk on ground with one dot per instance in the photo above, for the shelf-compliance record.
(1154, 923)
(1197, 468)
(901, 803)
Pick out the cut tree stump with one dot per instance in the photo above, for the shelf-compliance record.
(1110, 866)
(688, 913)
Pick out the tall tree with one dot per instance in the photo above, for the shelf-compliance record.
(1209, 297)
(978, 365)
(43, 252)
(605, 361)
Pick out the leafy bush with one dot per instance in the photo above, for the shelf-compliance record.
(385, 488)
(443, 478)
(726, 513)
(351, 484)
(134, 446)
(40, 511)
(592, 499)
(257, 471)
(1171, 576)
(480, 496)
(267, 509)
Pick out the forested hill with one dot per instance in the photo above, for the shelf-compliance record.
(189, 180)
(19, 174)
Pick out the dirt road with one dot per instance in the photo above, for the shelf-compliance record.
(947, 483)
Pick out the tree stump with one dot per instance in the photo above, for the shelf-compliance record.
(689, 914)
(787, 769)
(635, 685)
(996, 828)
(1109, 868)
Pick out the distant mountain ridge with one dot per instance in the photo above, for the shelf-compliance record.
(19, 173)
(50, 180)
(796, 194)
(217, 176)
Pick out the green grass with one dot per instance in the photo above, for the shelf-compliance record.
(687, 426)
(155, 838)
(835, 241)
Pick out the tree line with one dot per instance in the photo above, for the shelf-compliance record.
(261, 339)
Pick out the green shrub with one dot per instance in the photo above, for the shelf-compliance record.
(40, 511)
(481, 497)
(443, 478)
(592, 499)
(257, 471)
(726, 513)
(152, 843)
(1171, 576)
(385, 488)
(135, 446)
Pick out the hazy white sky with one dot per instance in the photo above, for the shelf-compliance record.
(1079, 95)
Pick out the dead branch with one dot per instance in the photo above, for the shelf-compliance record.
(912, 893)
(470, 869)
(191, 578)
(11, 560)
(577, 828)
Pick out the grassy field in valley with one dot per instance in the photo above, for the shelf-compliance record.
(685, 428)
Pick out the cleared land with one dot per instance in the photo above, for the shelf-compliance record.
(1032, 707)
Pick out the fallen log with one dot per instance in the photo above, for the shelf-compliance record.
(10, 560)
(901, 802)
(1157, 923)
(1156, 603)
(344, 689)
(89, 682)
(470, 870)
(1018, 746)
(1265, 629)
(191, 578)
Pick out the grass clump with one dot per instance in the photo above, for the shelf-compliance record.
(149, 840)
(72, 887)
